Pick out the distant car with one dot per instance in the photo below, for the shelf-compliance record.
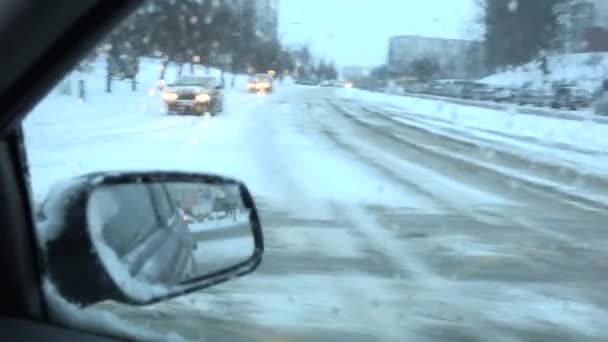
(260, 83)
(326, 83)
(435, 88)
(503, 94)
(195, 95)
(477, 91)
(451, 89)
(415, 88)
(600, 107)
(307, 82)
(571, 98)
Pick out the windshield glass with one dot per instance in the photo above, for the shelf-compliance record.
(418, 173)
(195, 81)
(260, 78)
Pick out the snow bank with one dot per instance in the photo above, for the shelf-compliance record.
(584, 134)
(587, 70)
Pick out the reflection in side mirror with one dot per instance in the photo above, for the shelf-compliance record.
(155, 235)
(143, 230)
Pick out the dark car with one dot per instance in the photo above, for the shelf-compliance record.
(571, 97)
(504, 94)
(308, 82)
(537, 96)
(157, 246)
(260, 83)
(194, 94)
(477, 91)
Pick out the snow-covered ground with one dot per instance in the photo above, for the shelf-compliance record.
(384, 217)
(501, 126)
(587, 70)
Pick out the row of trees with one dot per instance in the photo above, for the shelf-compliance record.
(213, 33)
(210, 32)
(423, 69)
(308, 69)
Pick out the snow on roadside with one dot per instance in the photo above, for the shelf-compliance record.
(586, 134)
(586, 69)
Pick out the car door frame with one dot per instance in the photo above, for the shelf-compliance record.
(53, 37)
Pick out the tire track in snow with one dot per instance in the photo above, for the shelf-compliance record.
(392, 165)
(563, 173)
(457, 157)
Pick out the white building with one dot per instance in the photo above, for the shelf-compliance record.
(574, 17)
(457, 58)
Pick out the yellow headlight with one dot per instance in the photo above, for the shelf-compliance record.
(262, 85)
(203, 98)
(169, 96)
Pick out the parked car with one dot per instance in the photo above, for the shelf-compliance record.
(194, 94)
(308, 82)
(571, 97)
(260, 83)
(600, 99)
(432, 89)
(537, 96)
(503, 94)
(477, 91)
(415, 88)
(452, 90)
(437, 88)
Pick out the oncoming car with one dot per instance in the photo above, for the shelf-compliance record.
(195, 95)
(260, 83)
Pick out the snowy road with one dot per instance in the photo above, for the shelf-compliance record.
(379, 224)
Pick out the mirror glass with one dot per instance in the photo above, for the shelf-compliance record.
(168, 233)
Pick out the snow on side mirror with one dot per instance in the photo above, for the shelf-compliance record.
(139, 238)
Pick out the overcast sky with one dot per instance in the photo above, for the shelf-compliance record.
(355, 32)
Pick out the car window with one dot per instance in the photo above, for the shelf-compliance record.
(395, 206)
(196, 81)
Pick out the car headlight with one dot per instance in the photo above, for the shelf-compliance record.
(250, 85)
(169, 96)
(203, 98)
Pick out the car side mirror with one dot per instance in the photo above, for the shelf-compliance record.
(220, 86)
(142, 237)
